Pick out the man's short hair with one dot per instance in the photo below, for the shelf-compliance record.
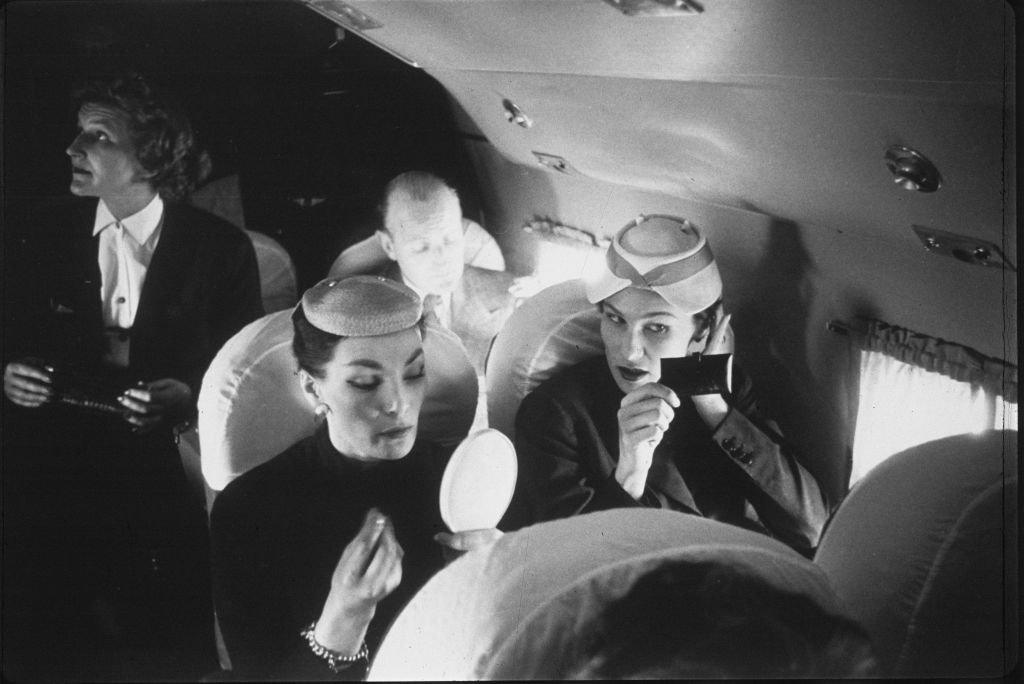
(418, 186)
(161, 133)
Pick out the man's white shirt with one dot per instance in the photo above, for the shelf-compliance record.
(444, 310)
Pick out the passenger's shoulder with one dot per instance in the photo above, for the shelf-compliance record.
(576, 382)
(185, 217)
(490, 285)
(495, 280)
(256, 489)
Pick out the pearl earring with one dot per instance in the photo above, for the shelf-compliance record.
(321, 410)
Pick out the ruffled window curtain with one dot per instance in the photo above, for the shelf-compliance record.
(915, 388)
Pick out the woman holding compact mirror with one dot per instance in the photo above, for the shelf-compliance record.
(316, 550)
(606, 433)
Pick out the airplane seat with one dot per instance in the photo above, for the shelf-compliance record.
(924, 552)
(367, 256)
(278, 280)
(251, 406)
(523, 608)
(554, 329)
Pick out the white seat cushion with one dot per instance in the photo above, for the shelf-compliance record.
(924, 549)
(554, 329)
(521, 607)
(278, 282)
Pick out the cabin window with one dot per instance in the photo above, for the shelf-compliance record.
(914, 389)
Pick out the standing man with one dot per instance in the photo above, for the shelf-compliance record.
(106, 568)
(423, 236)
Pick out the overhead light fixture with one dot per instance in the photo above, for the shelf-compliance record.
(967, 249)
(656, 8)
(354, 20)
(345, 15)
(516, 115)
(911, 170)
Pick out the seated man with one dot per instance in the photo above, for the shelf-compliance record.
(605, 433)
(423, 236)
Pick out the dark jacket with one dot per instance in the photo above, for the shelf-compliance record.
(742, 473)
(201, 287)
(94, 513)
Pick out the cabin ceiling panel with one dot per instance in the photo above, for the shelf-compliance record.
(730, 41)
(778, 106)
(812, 156)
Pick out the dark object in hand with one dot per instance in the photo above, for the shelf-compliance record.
(698, 374)
(87, 390)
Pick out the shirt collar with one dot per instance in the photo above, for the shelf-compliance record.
(140, 225)
(445, 298)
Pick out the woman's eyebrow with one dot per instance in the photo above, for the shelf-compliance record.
(368, 363)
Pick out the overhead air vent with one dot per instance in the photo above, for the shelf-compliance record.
(656, 8)
(911, 170)
(516, 115)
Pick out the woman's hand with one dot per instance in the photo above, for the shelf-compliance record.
(26, 385)
(153, 402)
(713, 408)
(370, 569)
(456, 544)
(644, 416)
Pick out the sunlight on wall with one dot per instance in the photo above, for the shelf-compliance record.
(557, 262)
(902, 405)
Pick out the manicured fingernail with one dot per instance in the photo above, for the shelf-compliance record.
(122, 398)
(379, 522)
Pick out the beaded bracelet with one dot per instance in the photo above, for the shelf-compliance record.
(336, 661)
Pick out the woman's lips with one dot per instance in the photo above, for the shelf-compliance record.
(396, 432)
(632, 374)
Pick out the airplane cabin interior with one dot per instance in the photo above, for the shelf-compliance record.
(852, 167)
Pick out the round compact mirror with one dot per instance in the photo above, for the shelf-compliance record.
(478, 483)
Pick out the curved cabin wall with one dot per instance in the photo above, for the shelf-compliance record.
(765, 124)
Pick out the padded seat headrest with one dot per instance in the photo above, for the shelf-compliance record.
(520, 608)
(554, 329)
(278, 281)
(251, 407)
(923, 550)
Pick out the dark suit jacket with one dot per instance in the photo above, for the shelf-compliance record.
(742, 473)
(201, 287)
(480, 306)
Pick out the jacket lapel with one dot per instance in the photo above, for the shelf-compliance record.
(664, 477)
(84, 290)
(166, 276)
